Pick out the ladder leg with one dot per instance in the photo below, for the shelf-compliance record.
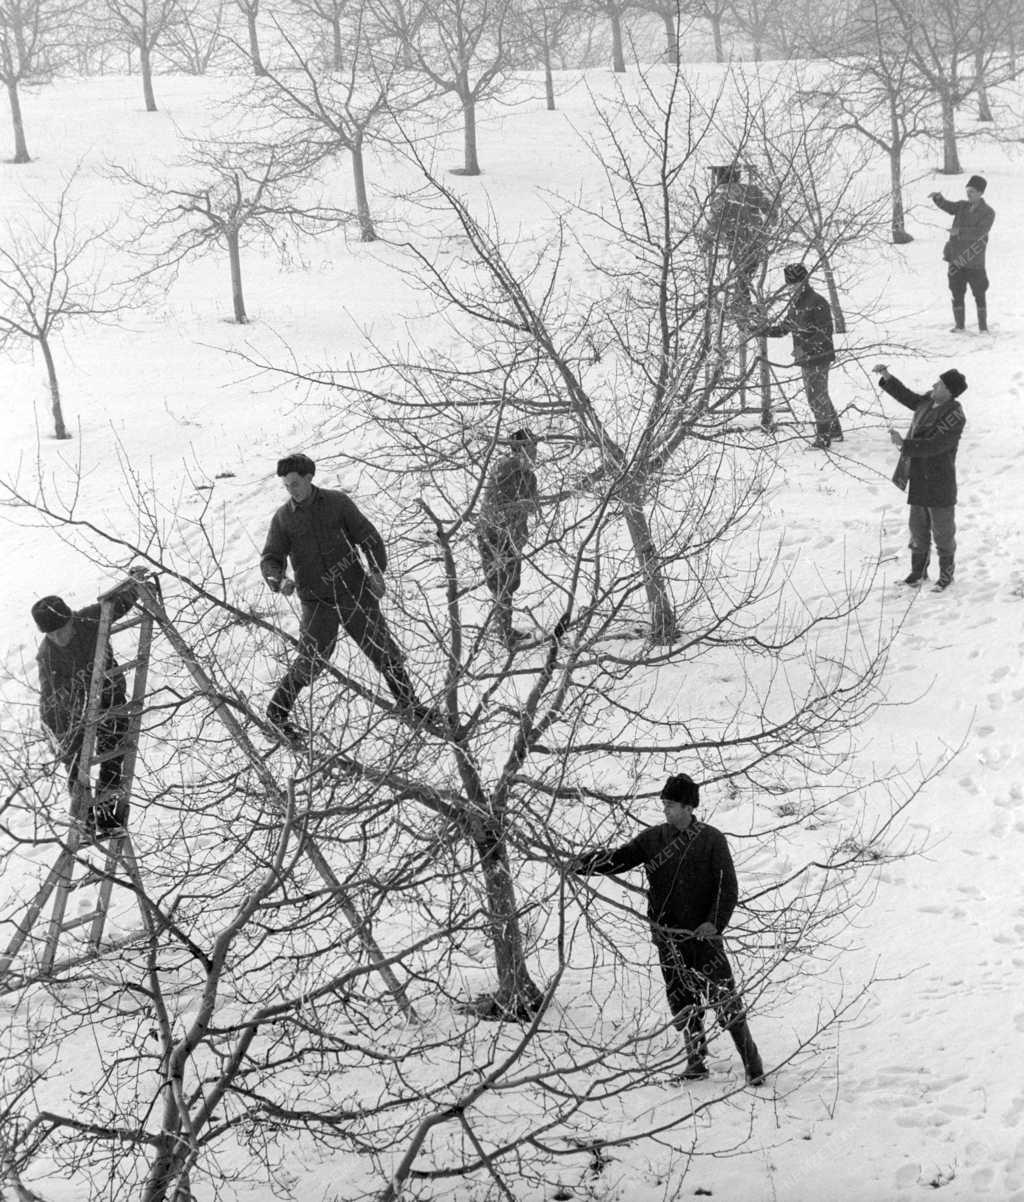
(62, 867)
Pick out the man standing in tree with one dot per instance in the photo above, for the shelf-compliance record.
(737, 220)
(65, 661)
(809, 319)
(927, 469)
(692, 893)
(510, 497)
(965, 250)
(324, 534)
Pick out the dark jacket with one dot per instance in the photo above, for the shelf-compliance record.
(968, 235)
(65, 673)
(690, 874)
(323, 538)
(510, 496)
(737, 223)
(928, 458)
(809, 320)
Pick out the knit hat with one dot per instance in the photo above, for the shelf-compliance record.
(977, 182)
(727, 173)
(681, 788)
(523, 435)
(51, 613)
(302, 465)
(794, 273)
(954, 381)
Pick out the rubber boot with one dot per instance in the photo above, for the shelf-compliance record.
(945, 573)
(958, 318)
(823, 438)
(983, 318)
(696, 1049)
(918, 568)
(749, 1054)
(835, 431)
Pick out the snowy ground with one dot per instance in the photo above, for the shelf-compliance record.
(924, 1091)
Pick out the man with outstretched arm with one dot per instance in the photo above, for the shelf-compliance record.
(927, 469)
(965, 250)
(326, 537)
(692, 893)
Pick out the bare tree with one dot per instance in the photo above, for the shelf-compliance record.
(759, 20)
(238, 191)
(716, 13)
(143, 24)
(332, 16)
(250, 9)
(549, 31)
(614, 11)
(52, 273)
(29, 33)
(195, 41)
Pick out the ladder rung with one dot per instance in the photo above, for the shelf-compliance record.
(131, 663)
(120, 749)
(80, 921)
(127, 623)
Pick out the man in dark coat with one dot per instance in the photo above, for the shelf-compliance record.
(692, 893)
(965, 249)
(809, 319)
(325, 536)
(927, 469)
(510, 498)
(738, 218)
(65, 661)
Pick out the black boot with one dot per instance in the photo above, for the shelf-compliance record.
(696, 1049)
(835, 431)
(749, 1054)
(958, 318)
(822, 438)
(945, 573)
(918, 568)
(983, 318)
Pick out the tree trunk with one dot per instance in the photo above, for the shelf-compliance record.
(20, 145)
(838, 316)
(59, 429)
(549, 77)
(254, 44)
(659, 605)
(716, 33)
(618, 58)
(899, 229)
(950, 155)
(671, 41)
(471, 165)
(338, 58)
(235, 259)
(366, 231)
(147, 78)
(517, 996)
(984, 111)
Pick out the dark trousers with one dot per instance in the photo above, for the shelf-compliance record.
(107, 809)
(501, 555)
(962, 277)
(930, 523)
(319, 624)
(816, 388)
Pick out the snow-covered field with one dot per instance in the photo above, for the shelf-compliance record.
(922, 1090)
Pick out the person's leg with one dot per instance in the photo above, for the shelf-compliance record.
(943, 521)
(366, 626)
(110, 805)
(684, 1002)
(728, 1006)
(502, 564)
(958, 288)
(919, 522)
(816, 388)
(318, 634)
(978, 279)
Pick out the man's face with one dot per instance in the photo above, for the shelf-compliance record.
(796, 288)
(62, 636)
(940, 392)
(299, 487)
(677, 814)
(973, 194)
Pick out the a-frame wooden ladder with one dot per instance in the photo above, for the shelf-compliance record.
(70, 871)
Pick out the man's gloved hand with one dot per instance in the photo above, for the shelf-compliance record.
(375, 583)
(706, 930)
(287, 587)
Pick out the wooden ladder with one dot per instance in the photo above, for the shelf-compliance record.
(71, 871)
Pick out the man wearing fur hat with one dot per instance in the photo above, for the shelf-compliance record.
(65, 662)
(509, 500)
(965, 249)
(809, 319)
(326, 537)
(927, 469)
(691, 895)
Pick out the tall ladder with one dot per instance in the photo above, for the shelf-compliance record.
(119, 850)
(70, 872)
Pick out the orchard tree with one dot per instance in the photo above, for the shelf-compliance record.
(144, 24)
(53, 273)
(235, 192)
(332, 16)
(549, 32)
(30, 33)
(614, 11)
(196, 40)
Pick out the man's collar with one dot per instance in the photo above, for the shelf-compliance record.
(314, 493)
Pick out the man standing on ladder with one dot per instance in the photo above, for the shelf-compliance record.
(65, 660)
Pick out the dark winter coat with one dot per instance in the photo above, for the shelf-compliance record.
(809, 320)
(968, 235)
(510, 497)
(323, 538)
(928, 456)
(65, 673)
(690, 874)
(738, 219)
